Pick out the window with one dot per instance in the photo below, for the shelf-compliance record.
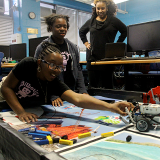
(73, 29)
(46, 9)
(6, 27)
(76, 20)
(6, 7)
(6, 30)
(82, 18)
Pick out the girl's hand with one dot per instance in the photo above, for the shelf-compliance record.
(57, 102)
(119, 107)
(27, 117)
(88, 45)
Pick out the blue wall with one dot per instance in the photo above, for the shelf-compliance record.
(71, 4)
(22, 20)
(139, 11)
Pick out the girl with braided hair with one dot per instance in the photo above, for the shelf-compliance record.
(103, 27)
(72, 74)
(35, 80)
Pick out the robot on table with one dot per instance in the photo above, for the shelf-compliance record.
(147, 115)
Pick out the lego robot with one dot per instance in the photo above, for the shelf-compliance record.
(146, 115)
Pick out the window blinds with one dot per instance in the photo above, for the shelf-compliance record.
(6, 30)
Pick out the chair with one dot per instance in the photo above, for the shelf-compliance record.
(1, 57)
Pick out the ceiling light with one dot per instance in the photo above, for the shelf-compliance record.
(92, 4)
(119, 1)
(85, 1)
(115, 1)
(121, 11)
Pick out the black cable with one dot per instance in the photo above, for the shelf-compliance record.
(155, 121)
(151, 117)
(98, 154)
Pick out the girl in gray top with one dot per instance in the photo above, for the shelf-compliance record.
(72, 74)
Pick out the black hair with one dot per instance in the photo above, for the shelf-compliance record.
(112, 7)
(50, 20)
(48, 48)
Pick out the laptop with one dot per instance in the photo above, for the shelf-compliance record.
(114, 51)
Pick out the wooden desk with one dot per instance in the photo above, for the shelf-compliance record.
(126, 62)
(83, 62)
(8, 65)
(126, 67)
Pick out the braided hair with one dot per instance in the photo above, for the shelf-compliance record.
(112, 7)
(50, 20)
(48, 48)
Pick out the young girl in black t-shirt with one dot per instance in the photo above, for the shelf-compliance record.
(35, 80)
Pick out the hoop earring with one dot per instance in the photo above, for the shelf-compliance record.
(39, 69)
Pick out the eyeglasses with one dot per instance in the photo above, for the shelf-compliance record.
(52, 66)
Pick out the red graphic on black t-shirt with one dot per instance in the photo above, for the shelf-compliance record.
(26, 90)
(65, 59)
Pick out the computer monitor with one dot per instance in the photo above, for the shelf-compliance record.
(18, 51)
(143, 37)
(5, 50)
(33, 43)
